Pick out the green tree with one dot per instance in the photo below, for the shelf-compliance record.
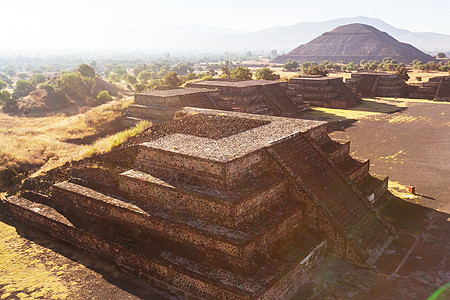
(77, 85)
(154, 83)
(23, 88)
(5, 78)
(191, 76)
(131, 79)
(46, 87)
(10, 72)
(145, 76)
(138, 69)
(403, 72)
(212, 72)
(291, 65)
(351, 66)
(273, 53)
(22, 76)
(38, 78)
(315, 69)
(171, 79)
(103, 97)
(121, 70)
(241, 73)
(266, 74)
(225, 70)
(4, 96)
(86, 70)
(114, 77)
(182, 69)
(140, 87)
(441, 55)
(3, 84)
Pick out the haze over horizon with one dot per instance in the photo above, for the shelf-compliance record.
(51, 26)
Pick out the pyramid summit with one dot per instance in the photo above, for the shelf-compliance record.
(352, 43)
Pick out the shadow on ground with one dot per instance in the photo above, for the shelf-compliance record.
(414, 266)
(97, 278)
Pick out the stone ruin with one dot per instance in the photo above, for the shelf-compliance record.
(437, 88)
(392, 85)
(216, 205)
(161, 105)
(324, 91)
(378, 84)
(265, 97)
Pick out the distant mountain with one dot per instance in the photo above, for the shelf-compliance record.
(283, 38)
(200, 38)
(286, 38)
(352, 43)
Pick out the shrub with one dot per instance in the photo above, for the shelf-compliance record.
(4, 97)
(86, 70)
(38, 78)
(57, 99)
(241, 73)
(3, 84)
(103, 97)
(266, 74)
(145, 76)
(46, 87)
(114, 77)
(291, 65)
(23, 88)
(77, 85)
(171, 79)
(403, 72)
(140, 87)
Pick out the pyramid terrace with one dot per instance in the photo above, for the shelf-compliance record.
(216, 204)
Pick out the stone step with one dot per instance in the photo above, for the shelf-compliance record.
(337, 150)
(152, 112)
(373, 186)
(355, 168)
(343, 206)
(239, 243)
(308, 96)
(192, 166)
(229, 208)
(130, 121)
(184, 277)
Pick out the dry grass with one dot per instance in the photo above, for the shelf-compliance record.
(30, 143)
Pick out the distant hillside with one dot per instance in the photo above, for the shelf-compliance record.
(352, 43)
(287, 38)
(201, 39)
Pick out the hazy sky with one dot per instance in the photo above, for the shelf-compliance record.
(60, 26)
(33, 15)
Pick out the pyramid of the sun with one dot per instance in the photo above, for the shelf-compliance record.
(352, 43)
(216, 204)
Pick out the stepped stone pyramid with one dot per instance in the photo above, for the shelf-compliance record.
(216, 204)
(161, 105)
(324, 91)
(352, 43)
(378, 84)
(437, 88)
(265, 97)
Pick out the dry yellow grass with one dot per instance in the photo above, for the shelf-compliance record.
(28, 143)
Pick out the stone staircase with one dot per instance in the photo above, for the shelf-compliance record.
(277, 98)
(344, 206)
